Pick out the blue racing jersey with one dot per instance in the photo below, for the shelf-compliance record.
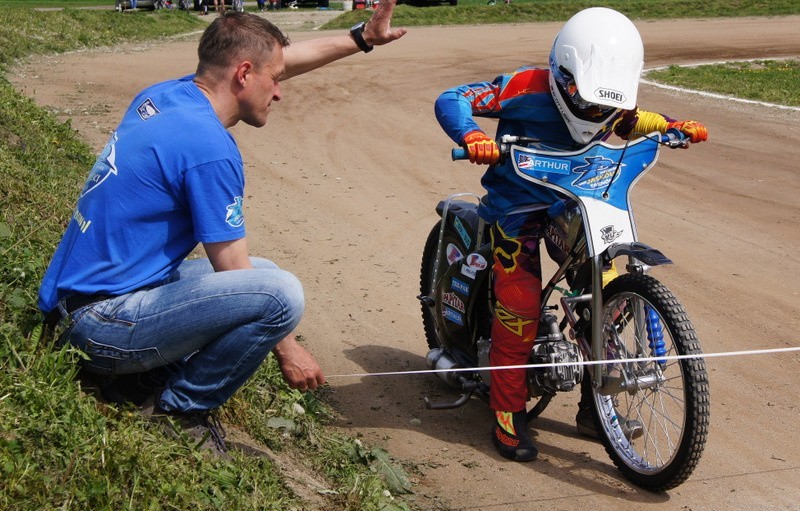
(169, 177)
(523, 105)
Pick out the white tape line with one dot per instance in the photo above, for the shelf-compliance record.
(713, 94)
(719, 96)
(560, 364)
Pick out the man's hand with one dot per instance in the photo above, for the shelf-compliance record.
(379, 29)
(692, 129)
(298, 366)
(481, 149)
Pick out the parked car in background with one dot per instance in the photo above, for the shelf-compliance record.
(124, 5)
(422, 3)
(229, 4)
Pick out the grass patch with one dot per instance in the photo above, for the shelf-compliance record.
(26, 32)
(61, 4)
(771, 81)
(475, 12)
(59, 447)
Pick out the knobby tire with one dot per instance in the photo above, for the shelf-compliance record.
(670, 398)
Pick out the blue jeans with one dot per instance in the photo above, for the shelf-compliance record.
(214, 329)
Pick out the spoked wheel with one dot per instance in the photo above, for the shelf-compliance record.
(654, 414)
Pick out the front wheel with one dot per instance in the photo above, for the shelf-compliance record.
(652, 415)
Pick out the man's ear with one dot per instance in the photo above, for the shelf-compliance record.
(243, 72)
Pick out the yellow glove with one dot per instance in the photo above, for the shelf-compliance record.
(692, 129)
(481, 149)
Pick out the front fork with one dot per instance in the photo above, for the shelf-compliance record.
(596, 306)
(594, 317)
(653, 330)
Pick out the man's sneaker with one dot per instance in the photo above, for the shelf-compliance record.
(511, 438)
(201, 430)
(134, 388)
(584, 422)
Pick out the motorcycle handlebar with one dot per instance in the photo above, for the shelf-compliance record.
(459, 153)
(673, 138)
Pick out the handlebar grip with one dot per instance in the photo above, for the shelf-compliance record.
(675, 138)
(459, 153)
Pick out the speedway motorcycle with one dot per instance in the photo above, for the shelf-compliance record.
(629, 344)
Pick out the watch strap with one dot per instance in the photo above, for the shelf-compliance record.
(358, 35)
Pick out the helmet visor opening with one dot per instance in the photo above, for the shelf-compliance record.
(579, 107)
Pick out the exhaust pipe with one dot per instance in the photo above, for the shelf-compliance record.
(440, 360)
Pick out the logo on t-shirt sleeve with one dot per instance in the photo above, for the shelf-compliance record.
(147, 109)
(235, 215)
(105, 166)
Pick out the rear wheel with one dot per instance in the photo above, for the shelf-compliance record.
(669, 398)
(427, 270)
(535, 406)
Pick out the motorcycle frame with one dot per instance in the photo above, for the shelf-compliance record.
(605, 206)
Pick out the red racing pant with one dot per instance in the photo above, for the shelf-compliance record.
(517, 273)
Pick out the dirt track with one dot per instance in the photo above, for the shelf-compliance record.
(341, 188)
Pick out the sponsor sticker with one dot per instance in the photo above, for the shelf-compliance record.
(460, 286)
(528, 162)
(453, 253)
(468, 272)
(453, 301)
(452, 316)
(596, 173)
(465, 237)
(476, 261)
(609, 234)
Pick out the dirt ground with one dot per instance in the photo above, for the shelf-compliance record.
(342, 184)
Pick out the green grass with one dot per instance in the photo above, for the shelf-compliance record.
(771, 81)
(471, 12)
(26, 32)
(59, 447)
(36, 4)
(62, 449)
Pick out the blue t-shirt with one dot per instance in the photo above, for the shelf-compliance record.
(169, 177)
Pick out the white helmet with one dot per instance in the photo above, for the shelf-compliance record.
(595, 66)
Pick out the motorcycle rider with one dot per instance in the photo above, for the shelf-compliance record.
(588, 92)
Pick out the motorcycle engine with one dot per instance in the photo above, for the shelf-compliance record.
(551, 348)
(556, 378)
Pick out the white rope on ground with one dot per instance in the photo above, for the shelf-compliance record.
(570, 364)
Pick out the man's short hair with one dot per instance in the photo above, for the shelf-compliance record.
(238, 36)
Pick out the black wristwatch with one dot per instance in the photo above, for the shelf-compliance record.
(358, 35)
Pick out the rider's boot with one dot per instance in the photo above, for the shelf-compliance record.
(584, 422)
(510, 436)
